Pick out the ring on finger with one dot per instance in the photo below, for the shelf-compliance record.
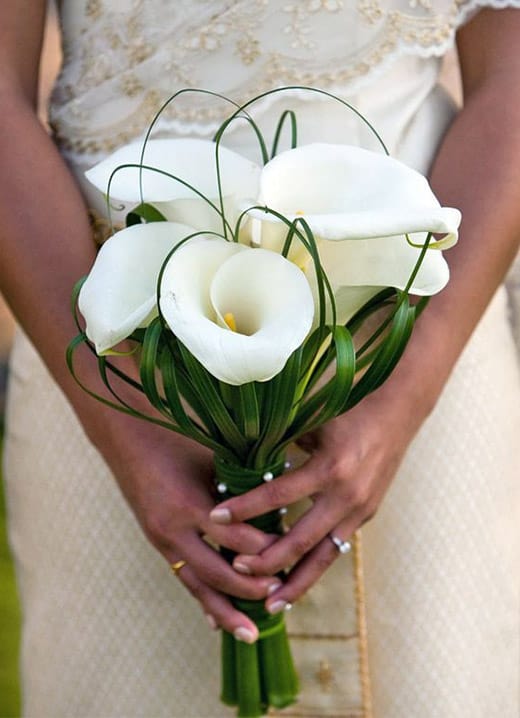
(343, 546)
(177, 566)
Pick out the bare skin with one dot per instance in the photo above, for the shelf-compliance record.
(354, 458)
(45, 247)
(166, 478)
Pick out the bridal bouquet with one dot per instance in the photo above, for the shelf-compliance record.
(244, 290)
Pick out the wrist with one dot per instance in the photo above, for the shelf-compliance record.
(415, 385)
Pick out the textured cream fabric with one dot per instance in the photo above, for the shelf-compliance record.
(108, 632)
(442, 557)
(140, 51)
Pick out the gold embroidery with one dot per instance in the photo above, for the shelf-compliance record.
(371, 10)
(116, 136)
(139, 51)
(101, 228)
(321, 636)
(93, 9)
(278, 42)
(364, 673)
(248, 48)
(325, 676)
(131, 85)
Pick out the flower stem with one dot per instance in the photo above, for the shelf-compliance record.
(255, 677)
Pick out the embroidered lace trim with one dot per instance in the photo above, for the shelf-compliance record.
(121, 64)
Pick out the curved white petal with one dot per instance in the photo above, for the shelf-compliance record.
(388, 223)
(191, 160)
(358, 269)
(119, 293)
(267, 295)
(346, 192)
(187, 277)
(384, 262)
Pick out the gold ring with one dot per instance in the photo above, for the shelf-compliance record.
(176, 567)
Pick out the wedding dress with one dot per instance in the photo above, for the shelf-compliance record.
(423, 620)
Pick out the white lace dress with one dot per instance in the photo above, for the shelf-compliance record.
(432, 628)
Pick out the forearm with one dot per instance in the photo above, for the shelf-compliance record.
(45, 243)
(45, 237)
(45, 247)
(476, 170)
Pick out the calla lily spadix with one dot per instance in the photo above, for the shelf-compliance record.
(193, 161)
(360, 205)
(240, 311)
(119, 294)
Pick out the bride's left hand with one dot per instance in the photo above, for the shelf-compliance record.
(355, 456)
(353, 460)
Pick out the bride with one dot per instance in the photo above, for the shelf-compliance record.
(423, 621)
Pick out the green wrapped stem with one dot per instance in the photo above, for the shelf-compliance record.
(255, 677)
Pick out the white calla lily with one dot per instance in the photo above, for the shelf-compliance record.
(241, 312)
(120, 292)
(360, 205)
(346, 192)
(191, 160)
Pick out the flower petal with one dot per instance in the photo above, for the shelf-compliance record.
(267, 295)
(191, 160)
(186, 280)
(358, 269)
(384, 262)
(346, 192)
(119, 293)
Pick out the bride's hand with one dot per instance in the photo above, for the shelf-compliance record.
(170, 491)
(355, 456)
(353, 460)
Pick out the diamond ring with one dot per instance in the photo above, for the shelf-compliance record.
(343, 546)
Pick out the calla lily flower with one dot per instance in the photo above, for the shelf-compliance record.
(360, 205)
(194, 162)
(240, 311)
(120, 292)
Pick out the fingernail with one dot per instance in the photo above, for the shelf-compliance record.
(242, 568)
(244, 634)
(273, 587)
(220, 516)
(211, 621)
(279, 606)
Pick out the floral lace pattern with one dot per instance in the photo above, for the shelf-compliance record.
(122, 60)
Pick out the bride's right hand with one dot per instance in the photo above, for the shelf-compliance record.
(45, 246)
(168, 480)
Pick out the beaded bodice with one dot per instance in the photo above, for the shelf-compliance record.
(122, 59)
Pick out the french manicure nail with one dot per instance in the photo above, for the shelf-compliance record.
(220, 515)
(273, 587)
(211, 621)
(244, 634)
(242, 568)
(279, 606)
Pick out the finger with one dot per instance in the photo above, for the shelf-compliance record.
(304, 535)
(218, 609)
(240, 538)
(214, 571)
(310, 569)
(275, 494)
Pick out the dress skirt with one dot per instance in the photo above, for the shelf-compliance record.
(432, 632)
(422, 621)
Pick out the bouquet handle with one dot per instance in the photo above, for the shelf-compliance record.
(257, 676)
